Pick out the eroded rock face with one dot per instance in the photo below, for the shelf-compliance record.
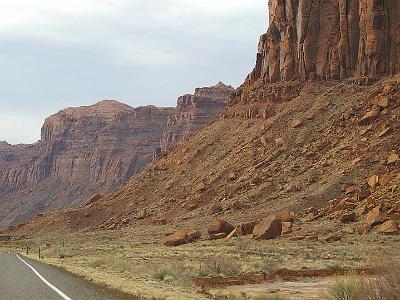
(195, 111)
(329, 40)
(82, 151)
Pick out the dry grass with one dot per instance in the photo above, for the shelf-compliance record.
(139, 265)
(386, 286)
(349, 287)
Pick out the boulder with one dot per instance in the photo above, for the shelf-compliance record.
(348, 217)
(373, 181)
(393, 158)
(297, 123)
(176, 239)
(292, 188)
(369, 117)
(193, 235)
(232, 176)
(279, 142)
(385, 179)
(220, 226)
(180, 238)
(247, 228)
(268, 228)
(363, 192)
(215, 208)
(286, 216)
(389, 227)
(363, 229)
(375, 217)
(333, 238)
(200, 187)
(237, 204)
(383, 101)
(160, 221)
(141, 214)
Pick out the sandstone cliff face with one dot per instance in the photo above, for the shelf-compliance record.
(195, 111)
(329, 40)
(82, 150)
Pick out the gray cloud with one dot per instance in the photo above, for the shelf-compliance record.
(64, 53)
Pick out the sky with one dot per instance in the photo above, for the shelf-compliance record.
(62, 53)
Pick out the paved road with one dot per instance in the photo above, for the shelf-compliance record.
(25, 279)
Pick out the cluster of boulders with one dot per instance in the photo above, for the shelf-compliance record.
(268, 228)
(360, 206)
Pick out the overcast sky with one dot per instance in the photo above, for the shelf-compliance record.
(62, 53)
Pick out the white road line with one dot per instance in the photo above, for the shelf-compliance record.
(65, 297)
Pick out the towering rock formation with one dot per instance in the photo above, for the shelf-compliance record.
(81, 151)
(329, 40)
(195, 111)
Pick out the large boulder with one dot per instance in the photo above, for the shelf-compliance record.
(389, 227)
(268, 228)
(375, 217)
(180, 238)
(176, 239)
(220, 226)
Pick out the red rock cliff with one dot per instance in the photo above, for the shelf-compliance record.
(82, 151)
(328, 40)
(195, 111)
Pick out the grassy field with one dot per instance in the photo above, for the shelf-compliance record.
(133, 261)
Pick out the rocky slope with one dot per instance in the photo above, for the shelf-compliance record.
(195, 111)
(287, 140)
(82, 150)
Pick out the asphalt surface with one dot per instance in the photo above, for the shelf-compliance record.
(19, 282)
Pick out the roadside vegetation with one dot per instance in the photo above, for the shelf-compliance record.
(137, 263)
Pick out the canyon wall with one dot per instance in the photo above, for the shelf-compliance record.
(82, 150)
(95, 149)
(195, 111)
(329, 40)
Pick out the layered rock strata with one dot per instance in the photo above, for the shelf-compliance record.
(195, 111)
(81, 151)
(329, 40)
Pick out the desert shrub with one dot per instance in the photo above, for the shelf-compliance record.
(179, 273)
(268, 265)
(386, 286)
(347, 287)
(112, 262)
(162, 272)
(219, 266)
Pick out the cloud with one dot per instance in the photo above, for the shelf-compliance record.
(62, 53)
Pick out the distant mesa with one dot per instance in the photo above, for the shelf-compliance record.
(195, 111)
(93, 149)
